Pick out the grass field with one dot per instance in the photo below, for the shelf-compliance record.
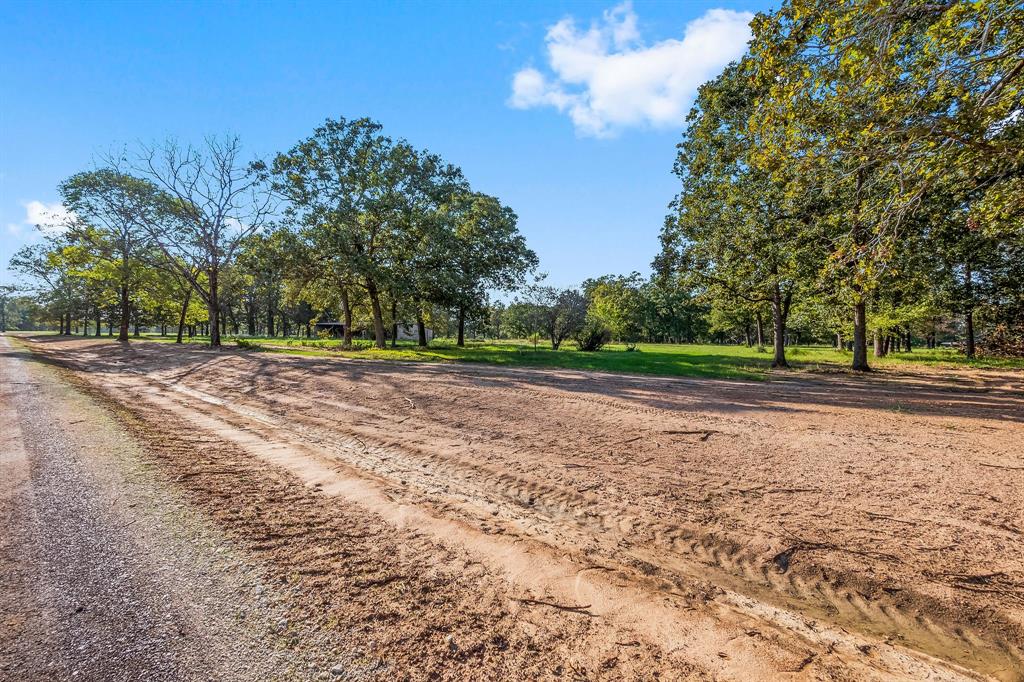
(696, 360)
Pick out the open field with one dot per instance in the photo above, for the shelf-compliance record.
(692, 360)
(460, 521)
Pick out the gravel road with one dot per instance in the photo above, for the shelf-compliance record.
(104, 575)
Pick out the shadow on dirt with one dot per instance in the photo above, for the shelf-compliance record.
(995, 395)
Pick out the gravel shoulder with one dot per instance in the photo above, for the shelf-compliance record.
(105, 573)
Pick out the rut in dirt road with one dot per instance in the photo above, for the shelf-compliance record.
(460, 460)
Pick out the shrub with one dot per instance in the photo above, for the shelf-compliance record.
(1003, 342)
(592, 336)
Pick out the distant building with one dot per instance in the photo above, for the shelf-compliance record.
(335, 330)
(407, 332)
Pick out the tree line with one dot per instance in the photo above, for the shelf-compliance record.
(857, 177)
(348, 221)
(863, 165)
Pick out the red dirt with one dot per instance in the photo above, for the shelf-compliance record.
(474, 521)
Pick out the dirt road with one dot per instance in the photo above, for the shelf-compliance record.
(477, 522)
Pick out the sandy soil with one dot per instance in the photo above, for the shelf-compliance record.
(469, 521)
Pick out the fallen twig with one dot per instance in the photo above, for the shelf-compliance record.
(890, 518)
(581, 609)
(703, 433)
(1000, 466)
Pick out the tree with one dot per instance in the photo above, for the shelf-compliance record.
(262, 262)
(618, 302)
(345, 183)
(738, 231)
(483, 251)
(48, 265)
(109, 210)
(210, 201)
(560, 313)
(876, 106)
(7, 292)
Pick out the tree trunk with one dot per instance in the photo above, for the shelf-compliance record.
(394, 324)
(969, 313)
(378, 315)
(779, 322)
(181, 318)
(879, 347)
(969, 324)
(907, 348)
(860, 337)
(421, 328)
(839, 341)
(214, 308)
(746, 335)
(760, 331)
(125, 313)
(462, 327)
(346, 308)
(250, 318)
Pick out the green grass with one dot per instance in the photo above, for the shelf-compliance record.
(693, 360)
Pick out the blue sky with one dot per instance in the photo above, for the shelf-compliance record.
(569, 112)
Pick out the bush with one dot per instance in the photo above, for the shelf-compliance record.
(592, 336)
(1003, 342)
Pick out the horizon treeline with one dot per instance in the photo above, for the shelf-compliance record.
(857, 177)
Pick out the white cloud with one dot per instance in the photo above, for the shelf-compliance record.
(49, 218)
(606, 79)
